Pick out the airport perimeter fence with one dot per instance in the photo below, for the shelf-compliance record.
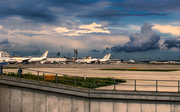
(95, 82)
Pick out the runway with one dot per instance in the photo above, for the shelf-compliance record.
(122, 65)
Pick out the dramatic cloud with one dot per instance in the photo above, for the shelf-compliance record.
(113, 14)
(40, 14)
(37, 51)
(4, 41)
(116, 49)
(175, 30)
(155, 6)
(62, 30)
(173, 42)
(106, 50)
(1, 26)
(94, 51)
(45, 11)
(144, 41)
(28, 33)
(134, 27)
(82, 29)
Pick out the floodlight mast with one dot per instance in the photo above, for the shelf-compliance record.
(75, 54)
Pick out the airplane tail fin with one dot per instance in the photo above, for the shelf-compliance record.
(104, 57)
(44, 55)
(108, 56)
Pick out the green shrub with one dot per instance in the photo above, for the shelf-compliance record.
(70, 80)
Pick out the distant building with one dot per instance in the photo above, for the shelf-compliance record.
(4, 55)
(56, 60)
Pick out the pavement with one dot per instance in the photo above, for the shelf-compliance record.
(143, 78)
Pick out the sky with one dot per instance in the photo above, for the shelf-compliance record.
(136, 29)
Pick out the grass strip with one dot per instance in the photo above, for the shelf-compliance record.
(154, 70)
(89, 82)
(10, 67)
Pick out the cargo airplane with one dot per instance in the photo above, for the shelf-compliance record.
(94, 60)
(38, 59)
(104, 59)
(88, 61)
(25, 60)
(17, 60)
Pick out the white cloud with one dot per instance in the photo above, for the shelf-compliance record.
(175, 30)
(61, 29)
(29, 31)
(72, 34)
(1, 26)
(83, 29)
(135, 27)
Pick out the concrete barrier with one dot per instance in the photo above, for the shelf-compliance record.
(22, 95)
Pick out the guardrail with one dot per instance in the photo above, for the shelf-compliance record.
(96, 83)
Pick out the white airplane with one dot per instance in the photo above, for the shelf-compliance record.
(105, 58)
(38, 59)
(130, 61)
(94, 60)
(88, 61)
(23, 60)
(16, 60)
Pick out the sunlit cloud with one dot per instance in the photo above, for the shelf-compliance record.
(1, 26)
(28, 31)
(62, 29)
(83, 29)
(135, 27)
(175, 30)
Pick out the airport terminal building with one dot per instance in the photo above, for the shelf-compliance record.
(4, 55)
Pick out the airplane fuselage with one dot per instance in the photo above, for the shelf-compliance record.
(16, 60)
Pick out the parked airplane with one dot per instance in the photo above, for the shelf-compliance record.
(105, 56)
(104, 59)
(130, 61)
(94, 60)
(17, 60)
(38, 59)
(25, 60)
(88, 61)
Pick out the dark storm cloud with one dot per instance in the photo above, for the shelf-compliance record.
(47, 10)
(116, 49)
(50, 10)
(155, 6)
(94, 51)
(4, 41)
(34, 10)
(106, 50)
(27, 34)
(144, 41)
(34, 14)
(113, 14)
(173, 42)
(37, 51)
